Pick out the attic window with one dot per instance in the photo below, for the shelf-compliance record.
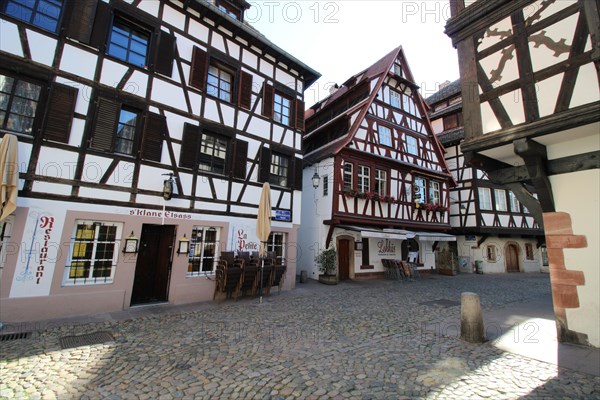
(229, 9)
(397, 70)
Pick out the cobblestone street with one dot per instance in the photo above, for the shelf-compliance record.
(356, 340)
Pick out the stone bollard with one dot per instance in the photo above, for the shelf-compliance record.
(303, 277)
(471, 319)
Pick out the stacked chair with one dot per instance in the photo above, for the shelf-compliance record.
(242, 275)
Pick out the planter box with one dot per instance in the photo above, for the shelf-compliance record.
(328, 279)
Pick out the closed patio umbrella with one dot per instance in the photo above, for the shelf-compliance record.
(9, 173)
(263, 227)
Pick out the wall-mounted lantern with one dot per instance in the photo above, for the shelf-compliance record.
(184, 245)
(168, 187)
(131, 244)
(316, 180)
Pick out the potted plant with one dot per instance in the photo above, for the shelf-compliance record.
(327, 266)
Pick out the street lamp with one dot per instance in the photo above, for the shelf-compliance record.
(316, 180)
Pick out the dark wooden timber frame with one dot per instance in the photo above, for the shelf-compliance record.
(88, 22)
(465, 28)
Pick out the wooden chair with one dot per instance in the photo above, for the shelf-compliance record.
(250, 277)
(228, 257)
(267, 277)
(278, 277)
(228, 281)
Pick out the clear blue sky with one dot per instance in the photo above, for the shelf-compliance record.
(341, 38)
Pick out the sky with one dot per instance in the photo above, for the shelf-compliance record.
(341, 38)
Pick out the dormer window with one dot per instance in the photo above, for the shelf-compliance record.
(229, 9)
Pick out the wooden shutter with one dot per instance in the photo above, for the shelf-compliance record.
(81, 19)
(102, 22)
(189, 146)
(165, 53)
(297, 172)
(154, 133)
(107, 117)
(240, 159)
(264, 170)
(300, 115)
(61, 107)
(268, 93)
(245, 92)
(199, 69)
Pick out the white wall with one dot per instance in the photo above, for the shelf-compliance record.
(579, 196)
(468, 253)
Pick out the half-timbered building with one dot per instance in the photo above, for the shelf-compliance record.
(494, 232)
(382, 180)
(531, 109)
(145, 130)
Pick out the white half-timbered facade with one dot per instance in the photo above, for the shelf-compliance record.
(531, 108)
(491, 226)
(145, 131)
(383, 188)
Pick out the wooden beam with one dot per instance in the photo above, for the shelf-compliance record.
(527, 199)
(528, 89)
(535, 157)
(578, 116)
(469, 84)
(479, 16)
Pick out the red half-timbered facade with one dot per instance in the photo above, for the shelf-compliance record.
(492, 228)
(145, 131)
(383, 182)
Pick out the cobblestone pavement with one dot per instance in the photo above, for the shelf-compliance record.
(356, 340)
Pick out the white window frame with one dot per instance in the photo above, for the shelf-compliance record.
(282, 109)
(84, 281)
(278, 248)
(515, 205)
(485, 198)
(395, 99)
(385, 135)
(348, 176)
(381, 182)
(419, 189)
(500, 198)
(364, 178)
(198, 253)
(325, 179)
(434, 192)
(412, 145)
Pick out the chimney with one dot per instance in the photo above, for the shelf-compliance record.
(334, 88)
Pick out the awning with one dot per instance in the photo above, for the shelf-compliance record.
(398, 234)
(382, 235)
(435, 237)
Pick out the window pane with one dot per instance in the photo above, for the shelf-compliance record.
(129, 42)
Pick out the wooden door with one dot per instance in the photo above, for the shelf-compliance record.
(153, 266)
(512, 258)
(344, 259)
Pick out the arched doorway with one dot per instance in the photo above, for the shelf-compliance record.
(511, 252)
(409, 246)
(345, 254)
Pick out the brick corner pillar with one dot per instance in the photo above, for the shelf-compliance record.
(559, 236)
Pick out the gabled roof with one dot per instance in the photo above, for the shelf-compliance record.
(376, 72)
(445, 93)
